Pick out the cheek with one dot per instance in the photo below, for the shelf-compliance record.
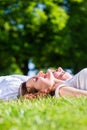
(46, 84)
(66, 76)
(37, 86)
(56, 74)
(40, 85)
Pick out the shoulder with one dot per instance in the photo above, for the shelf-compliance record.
(57, 91)
(82, 72)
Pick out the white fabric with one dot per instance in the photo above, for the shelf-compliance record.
(9, 86)
(78, 81)
(57, 91)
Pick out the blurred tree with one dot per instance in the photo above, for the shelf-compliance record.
(77, 28)
(47, 32)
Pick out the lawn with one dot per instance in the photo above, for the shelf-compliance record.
(44, 114)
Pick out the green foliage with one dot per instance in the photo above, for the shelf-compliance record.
(44, 114)
(47, 32)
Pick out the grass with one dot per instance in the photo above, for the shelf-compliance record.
(44, 114)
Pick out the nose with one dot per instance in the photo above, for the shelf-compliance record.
(59, 69)
(48, 70)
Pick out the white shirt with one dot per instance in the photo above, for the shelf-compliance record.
(78, 81)
(9, 86)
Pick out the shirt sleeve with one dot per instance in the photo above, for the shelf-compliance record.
(57, 93)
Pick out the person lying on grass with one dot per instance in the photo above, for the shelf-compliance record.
(54, 82)
(58, 73)
(58, 83)
(10, 85)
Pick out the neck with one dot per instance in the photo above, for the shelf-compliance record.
(58, 82)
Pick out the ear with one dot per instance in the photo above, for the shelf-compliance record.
(46, 90)
(51, 88)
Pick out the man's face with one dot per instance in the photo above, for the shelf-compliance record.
(59, 73)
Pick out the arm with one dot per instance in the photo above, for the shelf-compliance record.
(66, 91)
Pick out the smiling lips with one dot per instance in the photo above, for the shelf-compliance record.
(44, 75)
(41, 74)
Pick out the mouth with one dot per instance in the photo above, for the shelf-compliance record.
(43, 75)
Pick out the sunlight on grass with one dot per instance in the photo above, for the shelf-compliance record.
(43, 114)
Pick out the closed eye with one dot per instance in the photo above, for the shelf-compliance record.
(35, 78)
(56, 70)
